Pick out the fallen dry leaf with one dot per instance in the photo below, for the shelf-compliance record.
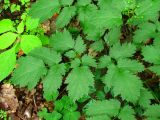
(8, 98)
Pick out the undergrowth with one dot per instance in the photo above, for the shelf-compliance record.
(96, 62)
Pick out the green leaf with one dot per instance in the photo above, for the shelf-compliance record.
(84, 18)
(152, 118)
(127, 113)
(146, 10)
(65, 104)
(6, 25)
(20, 28)
(156, 41)
(7, 63)
(89, 61)
(104, 61)
(102, 117)
(50, 96)
(97, 46)
(122, 51)
(75, 63)
(7, 39)
(153, 111)
(85, 12)
(98, 20)
(131, 65)
(106, 18)
(124, 80)
(35, 23)
(65, 16)
(79, 81)
(104, 109)
(113, 36)
(43, 9)
(79, 47)
(145, 98)
(145, 32)
(83, 2)
(53, 80)
(29, 42)
(155, 69)
(29, 72)
(49, 56)
(68, 108)
(100, 95)
(93, 32)
(70, 54)
(44, 39)
(124, 5)
(49, 116)
(66, 2)
(103, 4)
(62, 41)
(109, 77)
(71, 116)
(151, 54)
(120, 79)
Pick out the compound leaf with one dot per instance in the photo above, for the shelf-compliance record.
(131, 65)
(7, 63)
(49, 116)
(29, 72)
(155, 69)
(20, 27)
(151, 54)
(97, 46)
(35, 23)
(7, 39)
(107, 18)
(83, 2)
(53, 80)
(124, 80)
(89, 61)
(122, 51)
(79, 81)
(79, 47)
(145, 98)
(71, 116)
(6, 25)
(48, 55)
(113, 36)
(153, 111)
(43, 9)
(29, 42)
(127, 113)
(146, 10)
(62, 41)
(75, 63)
(104, 61)
(66, 2)
(120, 79)
(104, 109)
(65, 16)
(146, 31)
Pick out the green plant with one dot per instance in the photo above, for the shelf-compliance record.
(95, 58)
(64, 108)
(14, 7)
(3, 115)
(16, 38)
